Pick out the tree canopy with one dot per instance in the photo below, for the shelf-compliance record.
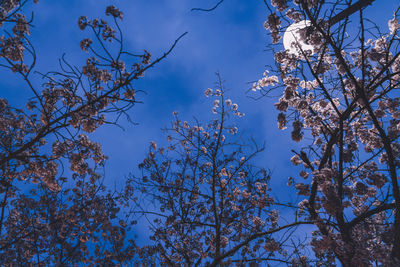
(203, 196)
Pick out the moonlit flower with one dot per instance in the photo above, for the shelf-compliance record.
(208, 92)
(224, 172)
(153, 145)
(223, 183)
(296, 160)
(394, 25)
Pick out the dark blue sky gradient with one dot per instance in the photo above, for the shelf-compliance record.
(230, 40)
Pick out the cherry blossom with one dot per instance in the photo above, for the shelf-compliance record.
(338, 102)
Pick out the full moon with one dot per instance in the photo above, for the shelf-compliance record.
(292, 37)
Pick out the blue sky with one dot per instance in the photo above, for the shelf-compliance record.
(230, 40)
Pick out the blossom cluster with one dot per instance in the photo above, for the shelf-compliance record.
(209, 197)
(342, 99)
